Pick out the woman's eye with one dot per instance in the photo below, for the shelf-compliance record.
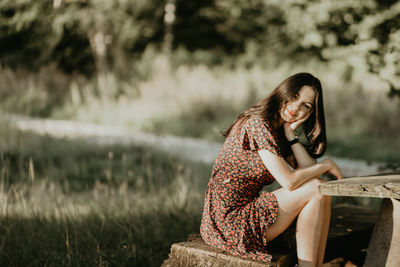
(308, 106)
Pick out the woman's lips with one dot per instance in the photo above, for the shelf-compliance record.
(291, 113)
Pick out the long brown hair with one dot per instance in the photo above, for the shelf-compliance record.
(269, 107)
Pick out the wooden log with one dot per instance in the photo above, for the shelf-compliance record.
(196, 253)
(382, 186)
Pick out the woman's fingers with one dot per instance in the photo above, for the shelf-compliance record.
(334, 168)
(289, 132)
(336, 171)
(296, 124)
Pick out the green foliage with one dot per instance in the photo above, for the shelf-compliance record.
(226, 26)
(80, 36)
(365, 34)
(99, 35)
(25, 33)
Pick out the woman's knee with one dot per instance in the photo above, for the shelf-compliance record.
(313, 188)
(294, 201)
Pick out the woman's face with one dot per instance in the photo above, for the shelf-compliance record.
(300, 106)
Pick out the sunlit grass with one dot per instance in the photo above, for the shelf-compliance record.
(70, 203)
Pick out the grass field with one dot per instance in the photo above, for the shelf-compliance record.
(69, 203)
(73, 203)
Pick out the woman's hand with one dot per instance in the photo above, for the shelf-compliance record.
(289, 127)
(333, 168)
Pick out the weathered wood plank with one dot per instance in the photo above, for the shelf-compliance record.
(382, 186)
(384, 248)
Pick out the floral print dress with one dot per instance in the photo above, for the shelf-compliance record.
(236, 213)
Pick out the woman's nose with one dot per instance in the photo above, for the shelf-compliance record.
(296, 107)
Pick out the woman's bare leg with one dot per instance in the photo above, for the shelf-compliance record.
(306, 202)
(311, 231)
(325, 230)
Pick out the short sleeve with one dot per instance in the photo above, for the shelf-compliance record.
(257, 134)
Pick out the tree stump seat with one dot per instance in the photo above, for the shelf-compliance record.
(197, 253)
(350, 229)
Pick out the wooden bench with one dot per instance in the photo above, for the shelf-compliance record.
(349, 234)
(384, 246)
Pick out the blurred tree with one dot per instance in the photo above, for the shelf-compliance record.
(23, 36)
(72, 52)
(169, 19)
(363, 33)
(86, 36)
(383, 56)
(227, 25)
(81, 36)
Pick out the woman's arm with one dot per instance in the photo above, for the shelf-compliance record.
(300, 153)
(291, 179)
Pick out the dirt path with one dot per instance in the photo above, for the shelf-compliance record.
(190, 148)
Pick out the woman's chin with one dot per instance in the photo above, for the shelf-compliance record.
(291, 120)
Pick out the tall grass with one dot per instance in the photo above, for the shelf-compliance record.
(70, 203)
(30, 93)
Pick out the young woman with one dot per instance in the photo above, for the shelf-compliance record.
(260, 147)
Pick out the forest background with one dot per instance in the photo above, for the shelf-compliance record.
(192, 70)
(185, 68)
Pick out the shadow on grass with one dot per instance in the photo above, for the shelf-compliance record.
(142, 240)
(72, 203)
